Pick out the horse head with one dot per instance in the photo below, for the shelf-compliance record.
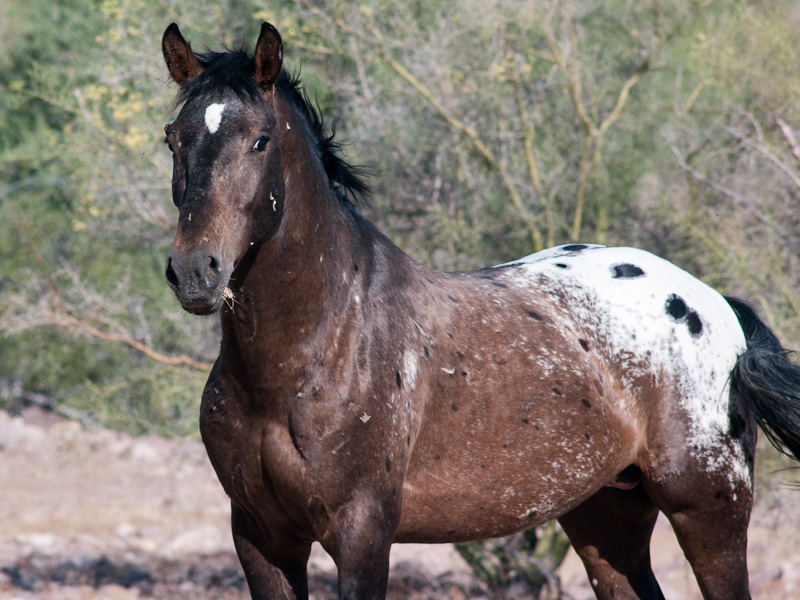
(227, 181)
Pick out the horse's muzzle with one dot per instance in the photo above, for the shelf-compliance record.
(198, 281)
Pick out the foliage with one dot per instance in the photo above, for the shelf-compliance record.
(522, 565)
(85, 224)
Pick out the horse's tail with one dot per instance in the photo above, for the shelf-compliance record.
(767, 383)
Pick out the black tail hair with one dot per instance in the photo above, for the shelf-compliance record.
(767, 383)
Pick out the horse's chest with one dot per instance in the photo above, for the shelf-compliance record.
(252, 455)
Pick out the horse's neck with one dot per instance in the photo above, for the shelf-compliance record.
(291, 292)
(289, 310)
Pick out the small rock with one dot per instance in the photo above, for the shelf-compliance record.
(144, 545)
(69, 436)
(144, 452)
(206, 539)
(15, 433)
(126, 530)
(43, 543)
(117, 592)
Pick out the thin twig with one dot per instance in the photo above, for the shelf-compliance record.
(693, 96)
(67, 320)
(790, 138)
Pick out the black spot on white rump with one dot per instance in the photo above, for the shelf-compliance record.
(575, 247)
(694, 323)
(677, 309)
(626, 271)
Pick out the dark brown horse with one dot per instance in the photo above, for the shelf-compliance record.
(362, 399)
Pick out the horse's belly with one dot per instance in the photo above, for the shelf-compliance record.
(491, 493)
(459, 516)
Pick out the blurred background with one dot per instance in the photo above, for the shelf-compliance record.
(492, 129)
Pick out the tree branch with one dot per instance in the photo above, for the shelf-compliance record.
(770, 155)
(50, 312)
(622, 99)
(583, 176)
(790, 138)
(574, 86)
(452, 120)
(694, 95)
(700, 177)
(65, 320)
(528, 138)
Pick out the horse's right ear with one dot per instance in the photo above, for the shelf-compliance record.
(182, 63)
(268, 56)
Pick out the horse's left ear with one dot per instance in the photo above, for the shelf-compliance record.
(182, 63)
(268, 56)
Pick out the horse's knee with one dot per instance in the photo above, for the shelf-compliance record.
(359, 540)
(275, 570)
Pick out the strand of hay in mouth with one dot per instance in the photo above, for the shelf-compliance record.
(228, 297)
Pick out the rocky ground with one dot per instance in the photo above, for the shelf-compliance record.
(99, 515)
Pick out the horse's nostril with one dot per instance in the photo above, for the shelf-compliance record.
(172, 277)
(213, 263)
(207, 268)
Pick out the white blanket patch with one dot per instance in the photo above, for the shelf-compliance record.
(214, 116)
(647, 311)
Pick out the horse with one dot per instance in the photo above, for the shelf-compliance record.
(361, 399)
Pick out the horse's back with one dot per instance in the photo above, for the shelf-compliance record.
(643, 311)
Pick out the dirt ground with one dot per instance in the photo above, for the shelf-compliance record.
(90, 515)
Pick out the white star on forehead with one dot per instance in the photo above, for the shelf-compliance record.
(214, 116)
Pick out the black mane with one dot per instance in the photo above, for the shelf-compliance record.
(234, 70)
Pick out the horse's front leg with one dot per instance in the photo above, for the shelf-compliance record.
(362, 535)
(275, 568)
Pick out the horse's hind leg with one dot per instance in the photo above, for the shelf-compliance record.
(611, 533)
(710, 515)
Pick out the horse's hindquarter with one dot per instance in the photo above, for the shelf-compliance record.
(550, 375)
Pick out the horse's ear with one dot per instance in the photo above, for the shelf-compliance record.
(182, 63)
(268, 56)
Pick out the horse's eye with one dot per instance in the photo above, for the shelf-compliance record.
(260, 145)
